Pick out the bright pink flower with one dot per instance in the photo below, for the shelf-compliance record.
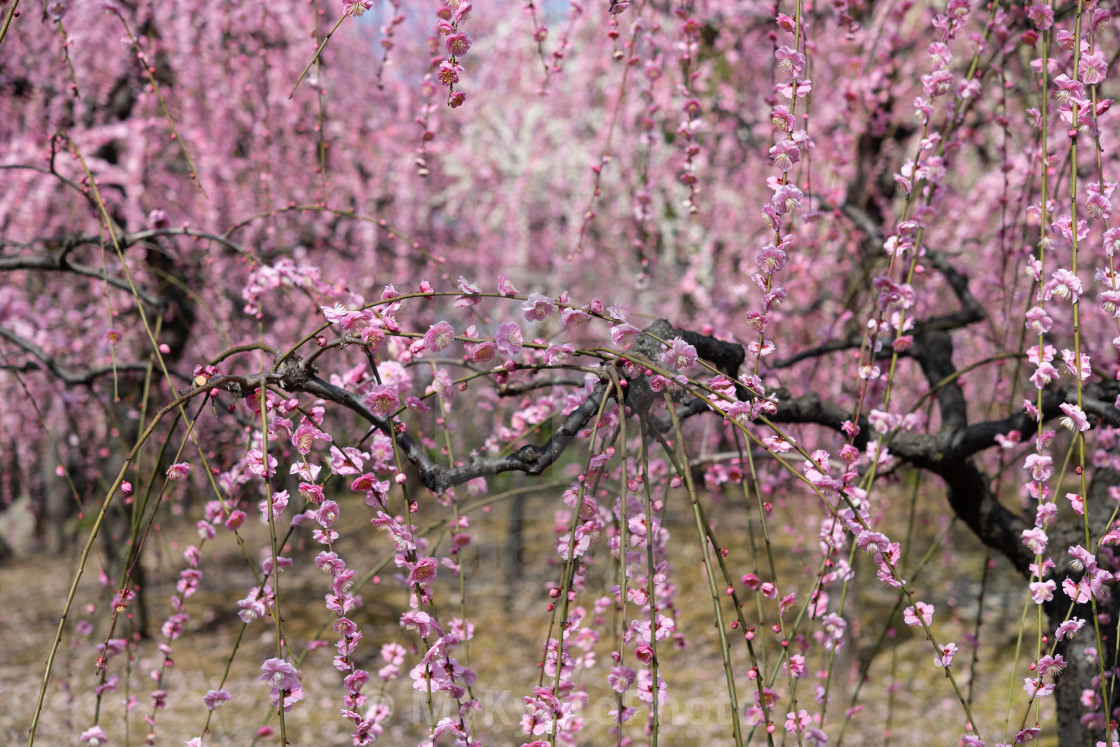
(448, 73)
(382, 400)
(421, 622)
(306, 435)
(178, 471)
(1042, 591)
(457, 44)
(771, 259)
(347, 461)
(329, 562)
(259, 465)
(482, 352)
(1041, 15)
(423, 572)
(310, 492)
(327, 514)
(571, 317)
(798, 721)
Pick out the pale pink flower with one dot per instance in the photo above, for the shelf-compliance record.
(624, 334)
(538, 308)
(214, 698)
(1069, 628)
(95, 736)
(508, 339)
(919, 613)
(1074, 418)
(945, 657)
(439, 336)
(279, 675)
(679, 354)
(356, 7)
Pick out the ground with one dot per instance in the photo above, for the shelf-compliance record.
(510, 615)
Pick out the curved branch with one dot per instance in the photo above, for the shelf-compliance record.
(58, 263)
(66, 375)
(947, 453)
(532, 459)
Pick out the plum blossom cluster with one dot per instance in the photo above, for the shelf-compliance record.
(455, 43)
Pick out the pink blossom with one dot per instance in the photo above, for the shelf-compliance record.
(448, 72)
(790, 63)
(538, 308)
(382, 400)
(1063, 284)
(329, 562)
(214, 698)
(1041, 15)
(679, 354)
(508, 339)
(784, 155)
(624, 334)
(421, 622)
(918, 614)
(279, 675)
(571, 317)
(1078, 371)
(1093, 68)
(945, 657)
(356, 7)
(1074, 418)
(457, 44)
(422, 572)
(178, 471)
(558, 355)
(439, 336)
(482, 352)
(443, 386)
(347, 461)
(621, 679)
(305, 436)
(1069, 628)
(94, 736)
(261, 464)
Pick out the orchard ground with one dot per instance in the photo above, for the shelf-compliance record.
(507, 597)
